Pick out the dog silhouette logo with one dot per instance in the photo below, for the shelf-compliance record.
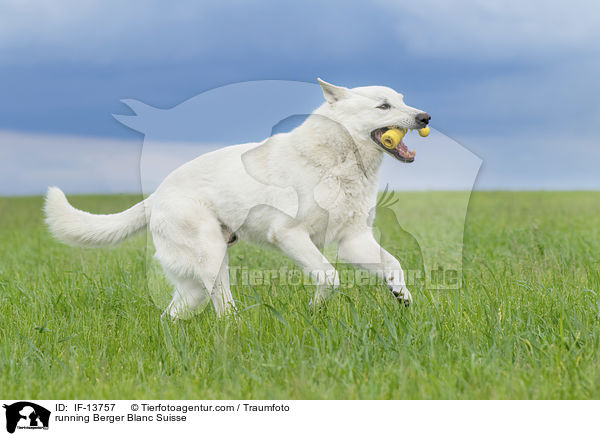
(26, 415)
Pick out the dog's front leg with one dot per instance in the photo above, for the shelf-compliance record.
(298, 245)
(362, 250)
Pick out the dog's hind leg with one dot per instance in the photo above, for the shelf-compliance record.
(189, 295)
(221, 292)
(193, 252)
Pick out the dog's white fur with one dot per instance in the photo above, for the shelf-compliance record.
(296, 191)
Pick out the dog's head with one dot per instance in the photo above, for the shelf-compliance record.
(368, 112)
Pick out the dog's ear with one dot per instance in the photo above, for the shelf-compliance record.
(331, 92)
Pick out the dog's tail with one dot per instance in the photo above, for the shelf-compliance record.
(76, 227)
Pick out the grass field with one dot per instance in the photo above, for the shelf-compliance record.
(78, 323)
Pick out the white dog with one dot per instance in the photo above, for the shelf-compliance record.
(296, 191)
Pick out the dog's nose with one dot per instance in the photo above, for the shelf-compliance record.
(423, 118)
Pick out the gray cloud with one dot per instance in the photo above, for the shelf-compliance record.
(147, 31)
(497, 30)
(32, 162)
(520, 77)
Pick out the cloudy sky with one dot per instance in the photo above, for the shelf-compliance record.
(514, 83)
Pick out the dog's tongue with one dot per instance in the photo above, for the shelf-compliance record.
(403, 151)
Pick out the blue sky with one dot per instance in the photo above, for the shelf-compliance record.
(516, 84)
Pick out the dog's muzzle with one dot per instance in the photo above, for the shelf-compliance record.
(390, 139)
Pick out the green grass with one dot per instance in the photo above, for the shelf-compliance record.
(78, 323)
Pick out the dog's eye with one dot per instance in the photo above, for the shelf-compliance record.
(384, 106)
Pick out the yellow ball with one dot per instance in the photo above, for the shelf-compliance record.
(424, 131)
(391, 138)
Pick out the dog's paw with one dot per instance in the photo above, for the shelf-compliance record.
(402, 294)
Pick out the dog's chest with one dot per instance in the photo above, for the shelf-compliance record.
(343, 200)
